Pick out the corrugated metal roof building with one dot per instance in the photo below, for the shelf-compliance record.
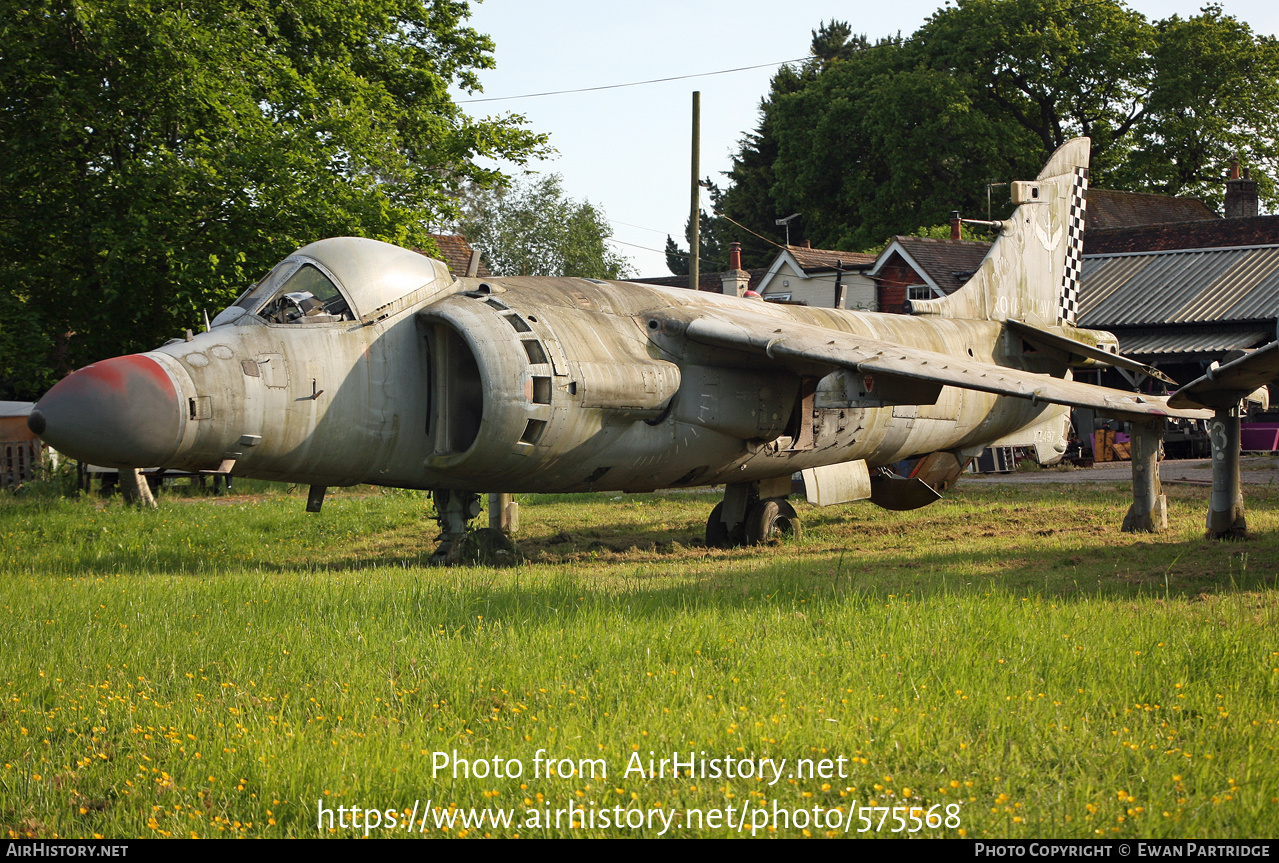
(1186, 293)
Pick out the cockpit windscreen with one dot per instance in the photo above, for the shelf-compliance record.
(292, 294)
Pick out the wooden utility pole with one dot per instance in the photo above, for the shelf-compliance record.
(695, 214)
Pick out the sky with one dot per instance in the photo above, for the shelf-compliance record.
(627, 149)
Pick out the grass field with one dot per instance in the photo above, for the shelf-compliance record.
(1004, 663)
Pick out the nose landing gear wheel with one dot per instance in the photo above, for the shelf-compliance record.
(772, 519)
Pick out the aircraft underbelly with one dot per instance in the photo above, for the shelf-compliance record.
(527, 398)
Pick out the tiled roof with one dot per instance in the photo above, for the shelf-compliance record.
(455, 251)
(949, 263)
(825, 259)
(1204, 234)
(712, 282)
(1107, 209)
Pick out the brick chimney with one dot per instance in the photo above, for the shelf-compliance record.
(954, 225)
(1241, 193)
(736, 281)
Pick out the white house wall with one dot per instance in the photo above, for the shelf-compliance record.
(819, 290)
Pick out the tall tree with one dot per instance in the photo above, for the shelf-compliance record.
(676, 258)
(749, 199)
(715, 234)
(533, 229)
(1213, 96)
(834, 40)
(882, 143)
(1053, 68)
(156, 157)
(874, 141)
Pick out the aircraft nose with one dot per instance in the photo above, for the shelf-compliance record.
(122, 412)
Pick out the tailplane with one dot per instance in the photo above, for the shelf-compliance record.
(1031, 273)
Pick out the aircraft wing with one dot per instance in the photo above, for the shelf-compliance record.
(1044, 338)
(1226, 384)
(790, 342)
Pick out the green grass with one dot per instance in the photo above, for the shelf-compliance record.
(219, 667)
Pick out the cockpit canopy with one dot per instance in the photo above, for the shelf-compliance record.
(340, 279)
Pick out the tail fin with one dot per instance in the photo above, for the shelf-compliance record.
(1031, 273)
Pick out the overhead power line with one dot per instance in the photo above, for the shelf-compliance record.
(630, 84)
(749, 231)
(635, 245)
(681, 253)
(640, 227)
(900, 40)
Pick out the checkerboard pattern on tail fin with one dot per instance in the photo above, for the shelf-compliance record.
(1069, 303)
(1032, 271)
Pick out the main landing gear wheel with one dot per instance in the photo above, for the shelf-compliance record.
(718, 534)
(771, 519)
(448, 552)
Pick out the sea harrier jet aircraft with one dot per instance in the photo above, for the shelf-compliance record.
(354, 361)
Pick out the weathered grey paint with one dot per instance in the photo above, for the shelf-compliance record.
(1224, 389)
(414, 379)
(1149, 510)
(1225, 506)
(837, 483)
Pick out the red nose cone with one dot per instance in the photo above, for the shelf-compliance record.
(123, 412)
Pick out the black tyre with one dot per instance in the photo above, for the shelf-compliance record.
(718, 534)
(772, 519)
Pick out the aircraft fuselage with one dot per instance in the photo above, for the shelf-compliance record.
(537, 385)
